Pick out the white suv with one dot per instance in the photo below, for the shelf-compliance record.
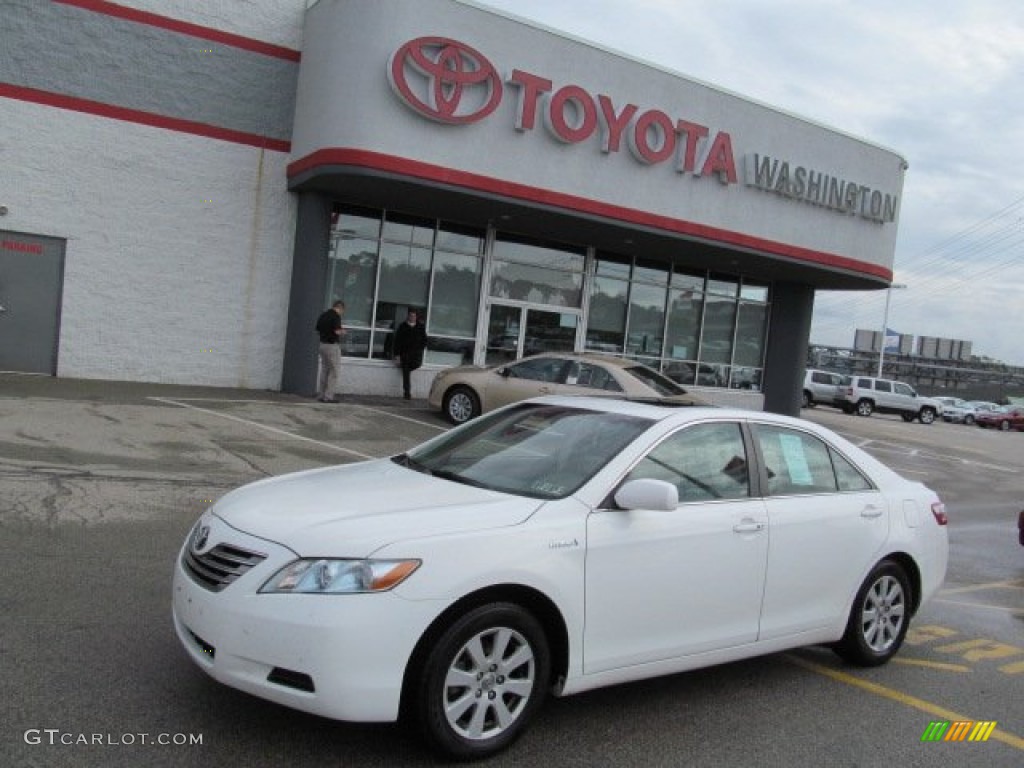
(820, 388)
(864, 395)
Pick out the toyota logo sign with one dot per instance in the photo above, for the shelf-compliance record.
(445, 80)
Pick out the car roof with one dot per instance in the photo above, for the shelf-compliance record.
(617, 362)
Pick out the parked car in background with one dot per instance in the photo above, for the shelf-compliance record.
(865, 395)
(983, 406)
(965, 411)
(553, 546)
(465, 392)
(821, 388)
(1005, 418)
(956, 410)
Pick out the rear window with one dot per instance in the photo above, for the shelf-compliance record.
(663, 385)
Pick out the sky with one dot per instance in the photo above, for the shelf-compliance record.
(941, 83)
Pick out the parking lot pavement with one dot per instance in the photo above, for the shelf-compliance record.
(99, 483)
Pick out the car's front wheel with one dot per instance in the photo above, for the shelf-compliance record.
(927, 416)
(879, 617)
(482, 681)
(865, 408)
(968, 420)
(1004, 425)
(460, 405)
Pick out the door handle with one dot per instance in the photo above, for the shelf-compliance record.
(748, 526)
(871, 511)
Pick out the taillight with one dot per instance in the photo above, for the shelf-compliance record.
(939, 512)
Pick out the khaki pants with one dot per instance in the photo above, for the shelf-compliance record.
(330, 367)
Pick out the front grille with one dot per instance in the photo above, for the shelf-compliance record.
(219, 567)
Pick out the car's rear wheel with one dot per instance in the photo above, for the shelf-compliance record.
(927, 415)
(865, 408)
(808, 400)
(460, 404)
(879, 617)
(482, 681)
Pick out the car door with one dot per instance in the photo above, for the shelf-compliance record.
(665, 584)
(828, 526)
(531, 377)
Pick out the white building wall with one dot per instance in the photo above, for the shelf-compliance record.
(178, 259)
(272, 21)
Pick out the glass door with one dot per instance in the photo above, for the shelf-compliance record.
(515, 331)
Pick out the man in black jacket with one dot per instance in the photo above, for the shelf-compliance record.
(410, 341)
(329, 328)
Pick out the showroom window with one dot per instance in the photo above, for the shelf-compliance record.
(537, 273)
(383, 264)
(698, 328)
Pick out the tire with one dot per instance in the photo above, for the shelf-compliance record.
(460, 404)
(927, 416)
(1004, 425)
(808, 400)
(865, 408)
(482, 682)
(968, 420)
(879, 617)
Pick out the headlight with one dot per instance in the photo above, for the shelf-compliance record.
(335, 577)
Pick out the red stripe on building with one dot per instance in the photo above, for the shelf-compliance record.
(142, 118)
(413, 168)
(185, 28)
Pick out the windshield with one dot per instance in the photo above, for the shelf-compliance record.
(541, 451)
(663, 385)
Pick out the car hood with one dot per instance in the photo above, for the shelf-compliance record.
(353, 510)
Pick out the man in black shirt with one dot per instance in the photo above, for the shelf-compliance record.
(410, 341)
(328, 326)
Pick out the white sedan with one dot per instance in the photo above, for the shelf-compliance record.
(554, 545)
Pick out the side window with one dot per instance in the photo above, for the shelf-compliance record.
(902, 389)
(539, 369)
(704, 461)
(883, 386)
(864, 383)
(592, 377)
(820, 378)
(848, 476)
(796, 462)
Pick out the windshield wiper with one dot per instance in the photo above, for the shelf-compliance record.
(405, 460)
(455, 477)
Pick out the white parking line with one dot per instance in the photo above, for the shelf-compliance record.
(917, 453)
(264, 427)
(389, 414)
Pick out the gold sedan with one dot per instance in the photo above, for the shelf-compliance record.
(465, 392)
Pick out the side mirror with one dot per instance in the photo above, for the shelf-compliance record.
(504, 372)
(646, 493)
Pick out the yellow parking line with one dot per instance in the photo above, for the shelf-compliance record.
(932, 665)
(902, 698)
(979, 587)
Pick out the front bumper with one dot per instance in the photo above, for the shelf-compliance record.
(339, 656)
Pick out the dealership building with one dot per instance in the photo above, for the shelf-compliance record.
(187, 186)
